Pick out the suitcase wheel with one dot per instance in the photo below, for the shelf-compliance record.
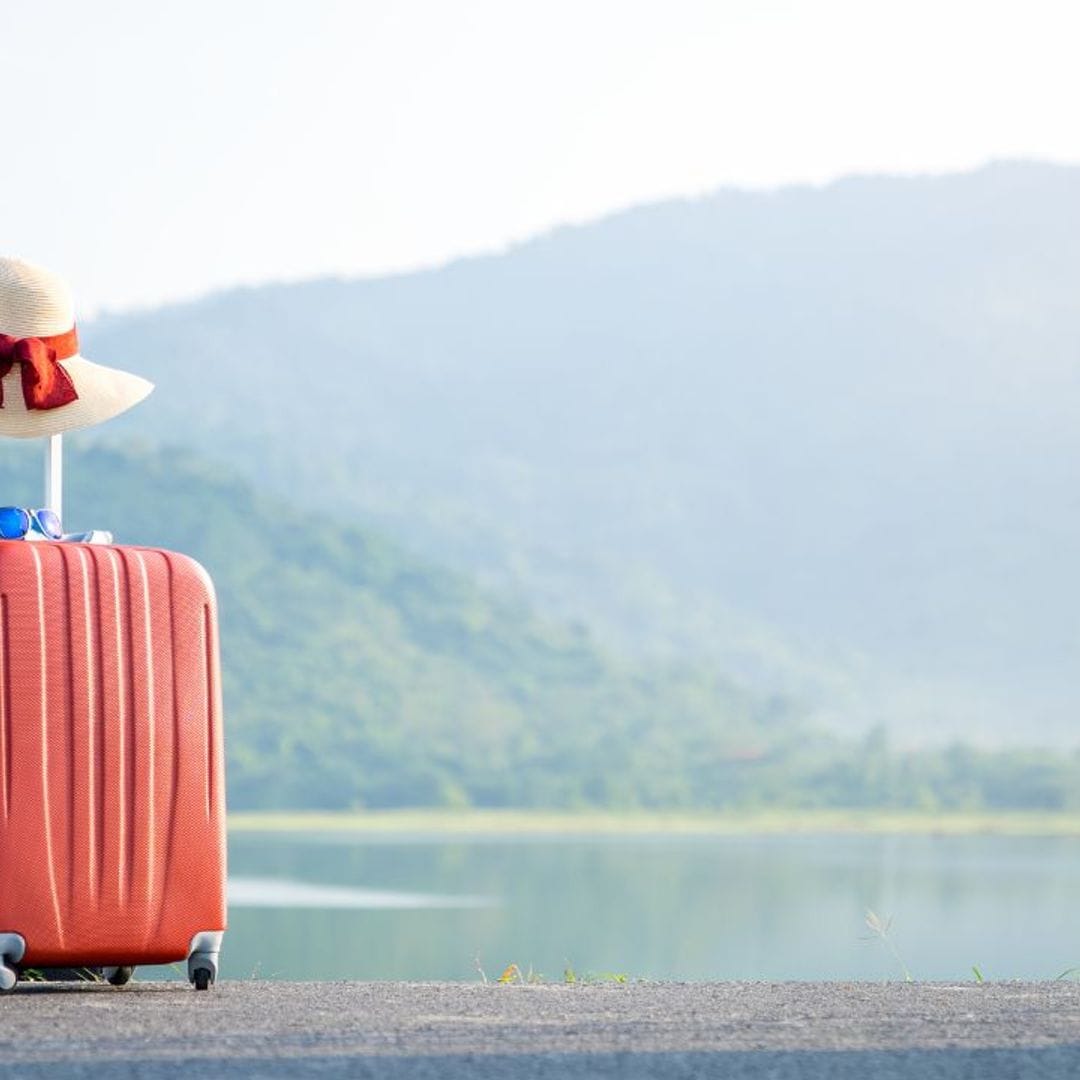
(202, 963)
(119, 976)
(12, 950)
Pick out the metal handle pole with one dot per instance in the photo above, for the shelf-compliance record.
(54, 474)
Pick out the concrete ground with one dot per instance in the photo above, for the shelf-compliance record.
(404, 1031)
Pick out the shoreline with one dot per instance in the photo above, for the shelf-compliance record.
(637, 823)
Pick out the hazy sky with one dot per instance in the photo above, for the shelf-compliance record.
(161, 149)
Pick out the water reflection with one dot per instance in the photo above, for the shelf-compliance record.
(659, 907)
(248, 892)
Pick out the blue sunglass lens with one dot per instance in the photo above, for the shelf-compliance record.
(14, 522)
(49, 524)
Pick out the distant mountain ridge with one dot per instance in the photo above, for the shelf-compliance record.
(828, 437)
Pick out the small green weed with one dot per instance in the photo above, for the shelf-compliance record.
(79, 974)
(512, 973)
(572, 978)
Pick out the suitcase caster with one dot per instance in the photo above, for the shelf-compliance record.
(118, 976)
(202, 962)
(12, 948)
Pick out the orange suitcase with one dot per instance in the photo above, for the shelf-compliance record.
(112, 778)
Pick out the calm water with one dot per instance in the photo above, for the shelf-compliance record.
(332, 907)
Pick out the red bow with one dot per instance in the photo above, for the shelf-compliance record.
(45, 384)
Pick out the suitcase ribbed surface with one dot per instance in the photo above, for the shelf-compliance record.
(112, 838)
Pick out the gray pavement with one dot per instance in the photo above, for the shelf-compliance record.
(406, 1031)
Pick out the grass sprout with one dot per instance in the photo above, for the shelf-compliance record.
(880, 928)
(512, 973)
(480, 968)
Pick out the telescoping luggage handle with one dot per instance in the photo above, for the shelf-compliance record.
(54, 474)
(54, 492)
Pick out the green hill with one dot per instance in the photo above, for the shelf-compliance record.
(357, 674)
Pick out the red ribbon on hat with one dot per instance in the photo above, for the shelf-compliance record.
(45, 384)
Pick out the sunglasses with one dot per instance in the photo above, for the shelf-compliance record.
(15, 523)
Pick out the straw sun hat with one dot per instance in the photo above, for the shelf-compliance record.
(47, 386)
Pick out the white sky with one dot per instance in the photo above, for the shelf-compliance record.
(158, 149)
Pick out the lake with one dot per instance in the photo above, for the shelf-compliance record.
(392, 906)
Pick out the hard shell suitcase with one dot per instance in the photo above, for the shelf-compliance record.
(112, 779)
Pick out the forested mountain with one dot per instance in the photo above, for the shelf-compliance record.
(824, 438)
(358, 674)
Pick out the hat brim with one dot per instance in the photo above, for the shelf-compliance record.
(104, 392)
